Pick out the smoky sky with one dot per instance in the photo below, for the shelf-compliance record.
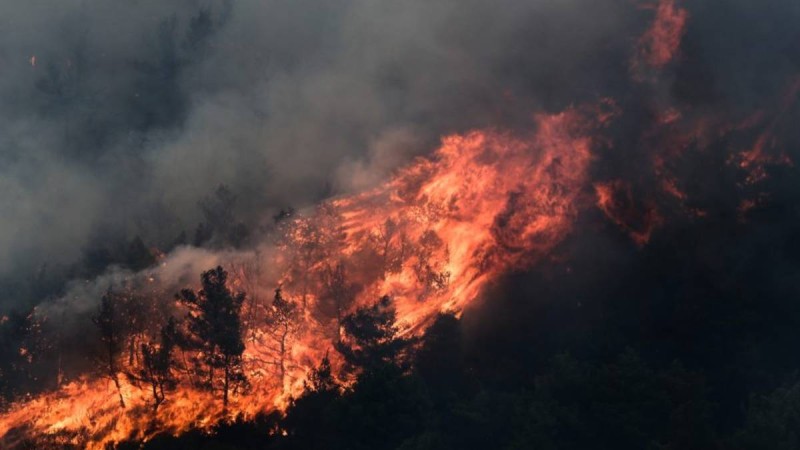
(118, 117)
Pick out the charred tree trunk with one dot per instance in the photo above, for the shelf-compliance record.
(119, 390)
(111, 335)
(187, 369)
(284, 336)
(211, 377)
(226, 383)
(158, 395)
(132, 350)
(339, 319)
(304, 300)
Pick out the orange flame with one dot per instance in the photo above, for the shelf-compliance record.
(659, 45)
(616, 200)
(431, 238)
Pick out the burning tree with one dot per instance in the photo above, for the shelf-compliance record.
(337, 294)
(372, 338)
(220, 226)
(137, 311)
(283, 319)
(432, 254)
(391, 245)
(22, 345)
(310, 241)
(157, 363)
(112, 337)
(321, 379)
(249, 273)
(215, 329)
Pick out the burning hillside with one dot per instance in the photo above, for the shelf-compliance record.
(431, 238)
(243, 324)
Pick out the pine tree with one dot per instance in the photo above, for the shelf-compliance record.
(320, 378)
(157, 363)
(112, 337)
(215, 329)
(283, 320)
(337, 295)
(372, 338)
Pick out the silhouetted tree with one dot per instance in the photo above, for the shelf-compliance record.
(138, 256)
(309, 247)
(283, 322)
(622, 404)
(371, 337)
(431, 256)
(311, 243)
(391, 245)
(321, 379)
(219, 224)
(215, 329)
(250, 274)
(772, 422)
(337, 295)
(157, 363)
(112, 337)
(21, 346)
(136, 312)
(310, 421)
(95, 260)
(439, 360)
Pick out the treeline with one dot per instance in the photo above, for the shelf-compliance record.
(432, 395)
(211, 333)
(688, 343)
(44, 350)
(95, 119)
(550, 363)
(38, 351)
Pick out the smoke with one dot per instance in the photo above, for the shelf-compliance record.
(117, 119)
(122, 120)
(704, 159)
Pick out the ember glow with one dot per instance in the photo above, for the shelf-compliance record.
(432, 237)
(660, 44)
(616, 200)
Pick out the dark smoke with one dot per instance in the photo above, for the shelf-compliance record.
(118, 119)
(136, 127)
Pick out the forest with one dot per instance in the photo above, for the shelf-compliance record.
(355, 224)
(687, 343)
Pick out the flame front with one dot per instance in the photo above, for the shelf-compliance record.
(431, 238)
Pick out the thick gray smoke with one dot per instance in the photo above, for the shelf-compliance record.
(117, 118)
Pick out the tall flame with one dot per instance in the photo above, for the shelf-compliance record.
(431, 238)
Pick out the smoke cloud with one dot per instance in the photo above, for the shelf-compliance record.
(116, 119)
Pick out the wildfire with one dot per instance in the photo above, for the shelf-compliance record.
(431, 238)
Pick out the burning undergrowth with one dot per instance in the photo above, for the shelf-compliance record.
(430, 239)
(164, 356)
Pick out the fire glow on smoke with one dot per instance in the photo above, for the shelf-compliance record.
(431, 237)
